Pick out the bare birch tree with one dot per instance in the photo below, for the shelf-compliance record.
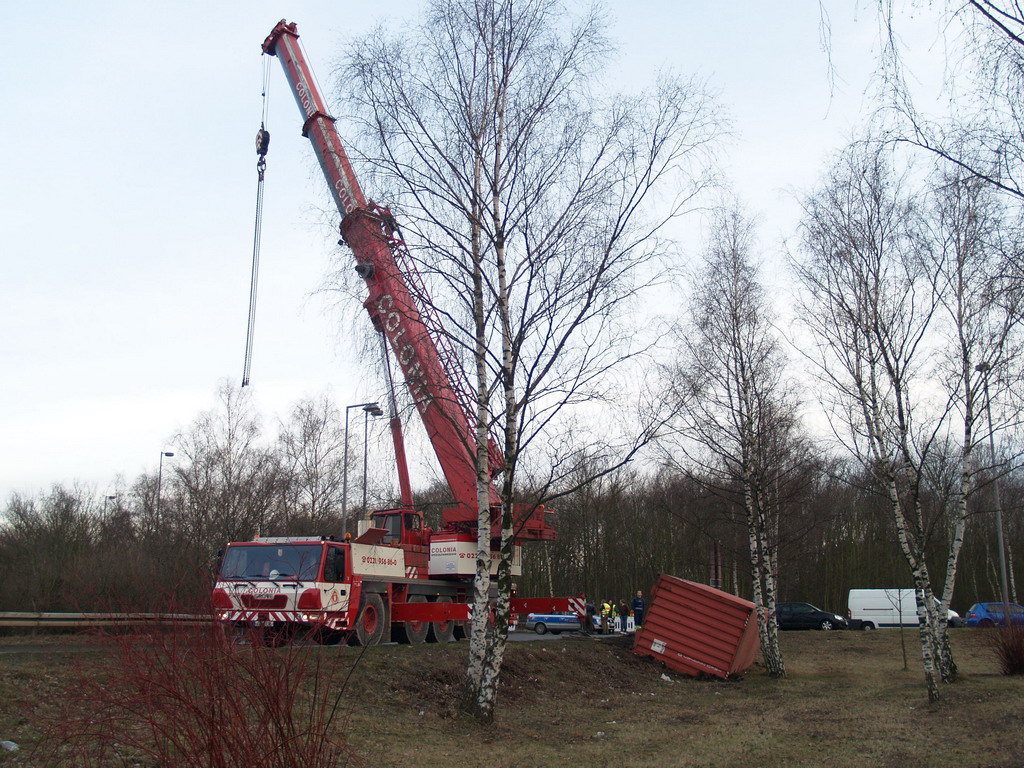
(981, 134)
(980, 296)
(733, 408)
(871, 302)
(530, 202)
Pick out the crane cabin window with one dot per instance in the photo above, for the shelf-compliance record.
(393, 523)
(272, 562)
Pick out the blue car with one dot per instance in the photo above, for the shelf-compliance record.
(555, 623)
(991, 615)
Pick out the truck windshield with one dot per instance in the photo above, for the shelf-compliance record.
(274, 562)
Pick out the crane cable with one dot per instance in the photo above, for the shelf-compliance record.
(262, 146)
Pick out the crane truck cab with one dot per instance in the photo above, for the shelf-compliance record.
(402, 527)
(361, 589)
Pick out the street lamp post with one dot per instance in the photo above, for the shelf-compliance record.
(160, 481)
(983, 368)
(374, 410)
(369, 409)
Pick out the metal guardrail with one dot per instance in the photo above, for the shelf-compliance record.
(29, 619)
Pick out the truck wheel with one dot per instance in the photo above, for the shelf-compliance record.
(867, 626)
(441, 631)
(371, 620)
(411, 632)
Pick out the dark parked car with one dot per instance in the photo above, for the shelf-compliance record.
(991, 615)
(807, 616)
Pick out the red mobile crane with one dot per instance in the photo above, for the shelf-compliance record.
(398, 573)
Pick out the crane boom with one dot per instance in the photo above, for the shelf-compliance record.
(424, 353)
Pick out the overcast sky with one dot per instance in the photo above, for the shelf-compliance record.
(128, 193)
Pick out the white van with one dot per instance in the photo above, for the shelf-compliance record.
(876, 608)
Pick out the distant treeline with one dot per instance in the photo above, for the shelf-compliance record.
(70, 549)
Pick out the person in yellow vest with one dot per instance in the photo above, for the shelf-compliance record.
(606, 613)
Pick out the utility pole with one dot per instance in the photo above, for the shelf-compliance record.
(159, 483)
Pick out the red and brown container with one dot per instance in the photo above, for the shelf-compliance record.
(698, 630)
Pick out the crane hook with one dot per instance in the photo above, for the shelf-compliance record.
(262, 141)
(262, 146)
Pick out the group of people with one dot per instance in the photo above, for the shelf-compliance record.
(610, 616)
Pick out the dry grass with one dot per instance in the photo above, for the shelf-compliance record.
(847, 701)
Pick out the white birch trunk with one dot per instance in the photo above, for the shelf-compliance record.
(478, 639)
(774, 662)
(486, 694)
(870, 403)
(763, 582)
(922, 584)
(947, 665)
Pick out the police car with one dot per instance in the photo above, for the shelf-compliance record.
(555, 623)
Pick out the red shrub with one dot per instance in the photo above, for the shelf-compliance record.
(192, 696)
(1008, 646)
